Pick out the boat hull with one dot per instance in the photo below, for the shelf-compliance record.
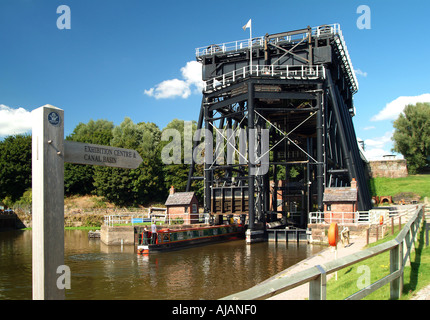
(168, 239)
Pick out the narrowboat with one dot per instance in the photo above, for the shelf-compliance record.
(173, 239)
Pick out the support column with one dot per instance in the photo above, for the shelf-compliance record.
(252, 234)
(251, 166)
(208, 159)
(192, 165)
(48, 202)
(320, 150)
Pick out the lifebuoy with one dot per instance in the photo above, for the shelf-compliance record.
(381, 220)
(333, 234)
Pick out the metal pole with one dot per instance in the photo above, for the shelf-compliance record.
(251, 167)
(208, 160)
(320, 168)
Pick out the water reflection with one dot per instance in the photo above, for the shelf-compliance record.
(102, 272)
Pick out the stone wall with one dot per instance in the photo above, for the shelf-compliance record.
(113, 235)
(388, 168)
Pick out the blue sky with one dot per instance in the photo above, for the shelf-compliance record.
(117, 50)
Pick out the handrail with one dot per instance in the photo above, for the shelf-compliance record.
(399, 248)
(324, 30)
(308, 72)
(259, 41)
(360, 217)
(169, 219)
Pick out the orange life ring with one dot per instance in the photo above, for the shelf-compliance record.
(333, 234)
(381, 220)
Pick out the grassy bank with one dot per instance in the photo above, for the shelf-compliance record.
(419, 184)
(416, 276)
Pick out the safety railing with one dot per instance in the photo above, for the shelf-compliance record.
(324, 30)
(358, 217)
(259, 41)
(124, 219)
(164, 218)
(399, 248)
(305, 72)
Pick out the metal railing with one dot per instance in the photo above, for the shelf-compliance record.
(399, 248)
(332, 29)
(259, 41)
(123, 219)
(305, 72)
(358, 217)
(168, 219)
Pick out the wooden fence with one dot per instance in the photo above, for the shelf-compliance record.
(399, 248)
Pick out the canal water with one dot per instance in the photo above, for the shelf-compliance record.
(114, 273)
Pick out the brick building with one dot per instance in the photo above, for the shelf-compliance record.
(340, 204)
(182, 205)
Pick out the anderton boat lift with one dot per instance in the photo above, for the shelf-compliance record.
(298, 85)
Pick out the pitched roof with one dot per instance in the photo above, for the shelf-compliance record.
(179, 198)
(340, 195)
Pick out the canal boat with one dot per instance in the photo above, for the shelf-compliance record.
(172, 239)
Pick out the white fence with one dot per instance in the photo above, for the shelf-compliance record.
(302, 72)
(360, 217)
(164, 218)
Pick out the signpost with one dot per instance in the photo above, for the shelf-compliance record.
(93, 154)
(49, 152)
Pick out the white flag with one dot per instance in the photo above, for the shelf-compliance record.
(246, 26)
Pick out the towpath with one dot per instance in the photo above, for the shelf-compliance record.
(302, 292)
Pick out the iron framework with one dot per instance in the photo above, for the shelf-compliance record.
(300, 90)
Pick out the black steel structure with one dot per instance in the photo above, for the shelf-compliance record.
(294, 92)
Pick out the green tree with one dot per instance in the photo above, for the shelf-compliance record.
(79, 179)
(137, 186)
(15, 166)
(176, 173)
(412, 136)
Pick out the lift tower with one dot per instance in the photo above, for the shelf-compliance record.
(296, 98)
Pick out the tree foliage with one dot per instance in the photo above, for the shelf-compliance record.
(15, 166)
(78, 179)
(138, 186)
(147, 184)
(412, 136)
(176, 174)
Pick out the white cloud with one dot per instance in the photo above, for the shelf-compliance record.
(377, 147)
(395, 107)
(169, 89)
(358, 72)
(376, 153)
(369, 128)
(192, 79)
(14, 121)
(192, 73)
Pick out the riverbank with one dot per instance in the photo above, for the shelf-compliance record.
(416, 272)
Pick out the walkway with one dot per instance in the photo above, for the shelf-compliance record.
(423, 294)
(302, 292)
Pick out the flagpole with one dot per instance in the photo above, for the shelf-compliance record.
(250, 48)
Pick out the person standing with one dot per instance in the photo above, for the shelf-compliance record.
(154, 232)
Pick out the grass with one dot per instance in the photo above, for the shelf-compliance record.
(419, 184)
(416, 276)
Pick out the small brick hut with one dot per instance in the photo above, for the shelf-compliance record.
(182, 205)
(340, 204)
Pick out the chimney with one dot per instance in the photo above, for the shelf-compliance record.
(172, 190)
(353, 184)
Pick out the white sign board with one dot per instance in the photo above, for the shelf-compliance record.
(93, 154)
